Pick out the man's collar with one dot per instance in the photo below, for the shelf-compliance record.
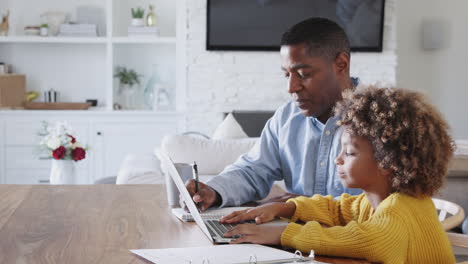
(354, 81)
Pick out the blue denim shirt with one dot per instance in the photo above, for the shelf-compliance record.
(297, 149)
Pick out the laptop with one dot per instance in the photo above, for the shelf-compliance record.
(212, 228)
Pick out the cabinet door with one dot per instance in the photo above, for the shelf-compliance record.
(113, 141)
(27, 176)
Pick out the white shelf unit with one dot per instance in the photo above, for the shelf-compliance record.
(86, 64)
(83, 68)
(87, 40)
(38, 39)
(144, 40)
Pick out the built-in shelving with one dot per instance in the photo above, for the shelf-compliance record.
(85, 40)
(91, 111)
(82, 68)
(144, 40)
(38, 39)
(87, 64)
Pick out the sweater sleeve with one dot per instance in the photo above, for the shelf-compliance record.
(326, 210)
(383, 238)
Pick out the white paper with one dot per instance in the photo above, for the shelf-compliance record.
(222, 254)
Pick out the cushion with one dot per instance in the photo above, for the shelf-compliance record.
(139, 169)
(229, 129)
(212, 156)
(252, 122)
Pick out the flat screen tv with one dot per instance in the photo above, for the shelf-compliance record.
(259, 24)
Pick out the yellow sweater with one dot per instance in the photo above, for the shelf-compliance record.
(403, 229)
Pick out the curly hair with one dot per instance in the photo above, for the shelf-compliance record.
(408, 135)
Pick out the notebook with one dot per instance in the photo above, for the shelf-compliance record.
(223, 254)
(208, 214)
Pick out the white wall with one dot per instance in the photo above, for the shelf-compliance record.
(441, 74)
(224, 81)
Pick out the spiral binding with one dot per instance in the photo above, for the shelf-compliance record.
(205, 261)
(298, 258)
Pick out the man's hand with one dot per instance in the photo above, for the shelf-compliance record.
(206, 197)
(261, 214)
(257, 234)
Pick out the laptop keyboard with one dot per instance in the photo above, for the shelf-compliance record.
(219, 228)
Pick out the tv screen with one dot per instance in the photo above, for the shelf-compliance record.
(259, 24)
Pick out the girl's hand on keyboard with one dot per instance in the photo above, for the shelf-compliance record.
(261, 214)
(257, 234)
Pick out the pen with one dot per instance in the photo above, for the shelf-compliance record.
(195, 176)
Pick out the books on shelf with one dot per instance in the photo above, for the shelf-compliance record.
(78, 30)
(143, 31)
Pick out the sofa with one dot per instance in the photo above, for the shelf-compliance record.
(236, 135)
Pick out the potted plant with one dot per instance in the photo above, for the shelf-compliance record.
(44, 31)
(127, 90)
(138, 15)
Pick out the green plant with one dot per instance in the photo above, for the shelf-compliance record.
(138, 12)
(125, 76)
(44, 25)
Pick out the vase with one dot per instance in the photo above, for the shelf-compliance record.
(63, 172)
(54, 20)
(128, 96)
(151, 17)
(44, 31)
(138, 22)
(163, 99)
(150, 89)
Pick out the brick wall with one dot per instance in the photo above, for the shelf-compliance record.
(222, 81)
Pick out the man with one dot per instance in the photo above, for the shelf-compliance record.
(300, 142)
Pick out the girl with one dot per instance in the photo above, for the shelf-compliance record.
(395, 147)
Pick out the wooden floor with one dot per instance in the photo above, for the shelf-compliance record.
(91, 224)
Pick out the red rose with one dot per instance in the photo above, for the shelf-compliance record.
(78, 154)
(73, 139)
(59, 152)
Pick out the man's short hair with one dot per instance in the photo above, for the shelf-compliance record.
(323, 37)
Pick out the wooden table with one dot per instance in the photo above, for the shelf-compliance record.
(91, 224)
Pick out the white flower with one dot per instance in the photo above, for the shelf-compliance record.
(53, 142)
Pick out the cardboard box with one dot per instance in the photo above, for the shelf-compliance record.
(12, 90)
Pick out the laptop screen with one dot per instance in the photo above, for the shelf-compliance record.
(185, 194)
